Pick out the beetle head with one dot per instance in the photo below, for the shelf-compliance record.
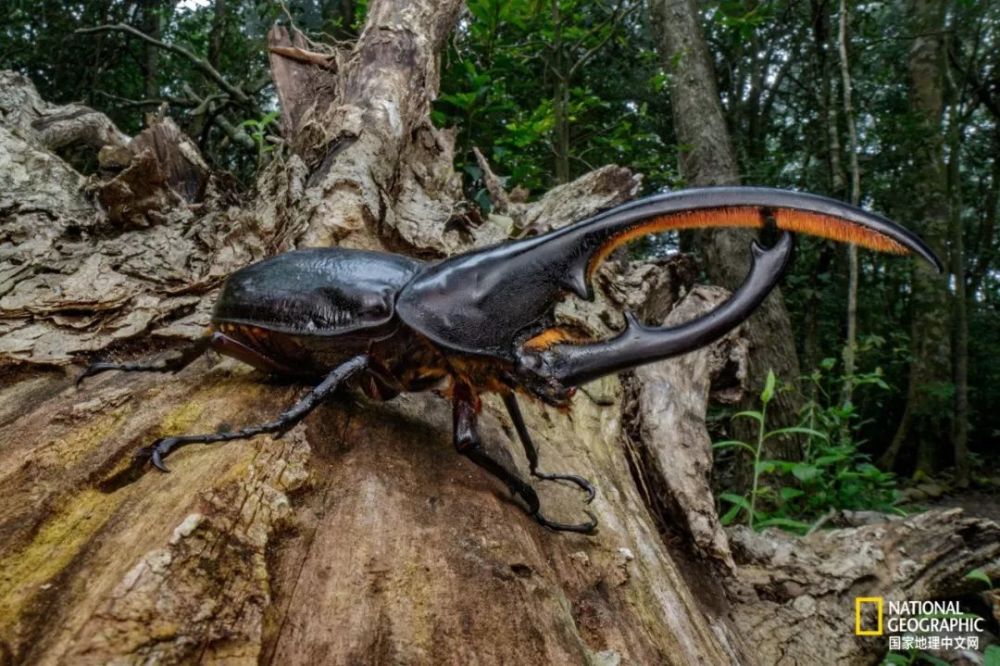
(535, 378)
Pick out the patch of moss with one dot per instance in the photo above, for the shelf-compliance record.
(56, 545)
(77, 443)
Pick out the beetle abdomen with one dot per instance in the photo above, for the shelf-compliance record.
(319, 291)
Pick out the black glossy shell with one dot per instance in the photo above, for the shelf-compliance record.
(319, 291)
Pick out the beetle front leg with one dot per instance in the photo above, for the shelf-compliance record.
(510, 401)
(467, 443)
(163, 446)
(169, 364)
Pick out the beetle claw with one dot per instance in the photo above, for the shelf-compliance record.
(95, 368)
(582, 528)
(579, 481)
(157, 460)
(156, 452)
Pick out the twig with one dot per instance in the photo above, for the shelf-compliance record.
(499, 197)
(612, 23)
(200, 63)
(301, 55)
(215, 117)
(152, 101)
(821, 521)
(234, 132)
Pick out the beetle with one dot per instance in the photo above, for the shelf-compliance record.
(483, 321)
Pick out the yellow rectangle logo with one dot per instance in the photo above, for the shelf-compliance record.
(858, 603)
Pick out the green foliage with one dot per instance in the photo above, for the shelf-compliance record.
(501, 85)
(912, 657)
(258, 131)
(515, 71)
(980, 575)
(833, 473)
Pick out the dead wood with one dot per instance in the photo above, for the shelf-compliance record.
(249, 553)
(800, 604)
(672, 447)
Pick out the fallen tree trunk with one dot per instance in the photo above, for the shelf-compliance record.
(802, 591)
(360, 536)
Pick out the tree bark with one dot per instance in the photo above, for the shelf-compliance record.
(960, 299)
(708, 159)
(359, 536)
(850, 345)
(151, 25)
(925, 420)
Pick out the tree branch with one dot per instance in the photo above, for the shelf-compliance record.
(611, 22)
(200, 63)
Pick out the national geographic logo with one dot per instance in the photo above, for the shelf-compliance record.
(859, 609)
(922, 625)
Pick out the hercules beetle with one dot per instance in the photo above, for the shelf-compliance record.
(483, 321)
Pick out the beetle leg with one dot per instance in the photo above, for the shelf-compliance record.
(169, 364)
(532, 452)
(467, 443)
(163, 446)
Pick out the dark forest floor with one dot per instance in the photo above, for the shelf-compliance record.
(975, 502)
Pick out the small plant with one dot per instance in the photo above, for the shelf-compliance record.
(832, 475)
(913, 657)
(257, 129)
(980, 575)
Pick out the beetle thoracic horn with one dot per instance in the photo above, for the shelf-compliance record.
(753, 207)
(481, 302)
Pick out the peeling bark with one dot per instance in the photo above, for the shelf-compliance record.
(671, 398)
(383, 173)
(415, 552)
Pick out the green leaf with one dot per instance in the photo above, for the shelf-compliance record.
(992, 656)
(733, 443)
(768, 391)
(460, 100)
(788, 493)
(980, 575)
(896, 659)
(764, 467)
(805, 471)
(728, 517)
(750, 414)
(797, 430)
(796, 525)
(738, 500)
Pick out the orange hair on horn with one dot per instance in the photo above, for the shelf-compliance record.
(788, 219)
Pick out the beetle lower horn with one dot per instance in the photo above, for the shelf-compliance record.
(573, 364)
